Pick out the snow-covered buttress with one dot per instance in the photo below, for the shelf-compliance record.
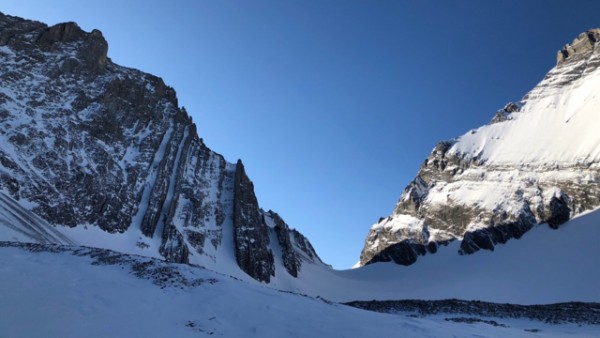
(536, 162)
(104, 154)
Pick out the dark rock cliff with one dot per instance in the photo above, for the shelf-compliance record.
(251, 235)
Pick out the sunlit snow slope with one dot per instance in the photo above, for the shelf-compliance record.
(544, 266)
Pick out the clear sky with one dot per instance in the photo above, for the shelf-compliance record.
(332, 105)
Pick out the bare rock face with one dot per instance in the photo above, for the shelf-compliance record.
(93, 50)
(69, 134)
(87, 143)
(295, 250)
(504, 114)
(488, 238)
(289, 257)
(582, 44)
(62, 32)
(405, 252)
(251, 235)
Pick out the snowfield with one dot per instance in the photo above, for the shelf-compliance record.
(76, 292)
(544, 266)
(73, 291)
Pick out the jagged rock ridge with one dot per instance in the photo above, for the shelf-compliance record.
(537, 162)
(86, 143)
(251, 235)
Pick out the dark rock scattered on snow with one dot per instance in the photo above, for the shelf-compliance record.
(559, 313)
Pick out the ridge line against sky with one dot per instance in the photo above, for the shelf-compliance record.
(332, 105)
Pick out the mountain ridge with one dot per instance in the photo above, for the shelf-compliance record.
(536, 162)
(89, 144)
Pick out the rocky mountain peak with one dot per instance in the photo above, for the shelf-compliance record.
(582, 44)
(62, 32)
(89, 49)
(536, 162)
(104, 154)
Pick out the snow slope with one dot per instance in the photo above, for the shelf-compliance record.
(544, 266)
(554, 127)
(72, 293)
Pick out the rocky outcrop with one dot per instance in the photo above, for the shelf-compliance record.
(582, 44)
(291, 261)
(93, 50)
(295, 249)
(251, 235)
(62, 32)
(505, 113)
(488, 238)
(405, 252)
(87, 143)
(558, 211)
(306, 251)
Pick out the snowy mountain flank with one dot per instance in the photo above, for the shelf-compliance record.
(103, 154)
(536, 162)
(73, 292)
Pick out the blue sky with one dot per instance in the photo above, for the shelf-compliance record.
(332, 105)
